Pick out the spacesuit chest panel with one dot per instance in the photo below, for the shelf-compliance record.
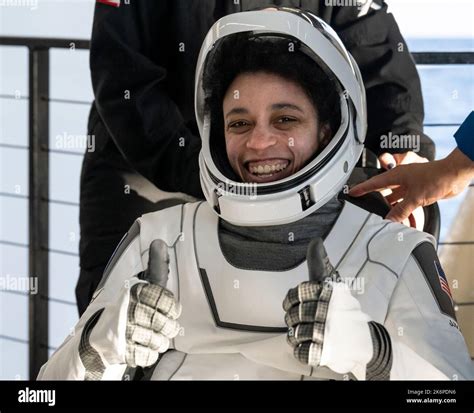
(241, 299)
(224, 306)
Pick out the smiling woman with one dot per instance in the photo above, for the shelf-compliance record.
(278, 108)
(272, 129)
(283, 109)
(286, 283)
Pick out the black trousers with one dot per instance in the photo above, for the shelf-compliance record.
(108, 208)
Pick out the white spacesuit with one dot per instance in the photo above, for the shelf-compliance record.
(388, 315)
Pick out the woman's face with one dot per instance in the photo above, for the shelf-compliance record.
(271, 127)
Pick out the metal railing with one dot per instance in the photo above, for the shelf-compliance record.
(38, 205)
(38, 199)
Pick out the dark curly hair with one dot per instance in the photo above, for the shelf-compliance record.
(249, 53)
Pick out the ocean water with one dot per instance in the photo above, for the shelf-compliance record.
(448, 95)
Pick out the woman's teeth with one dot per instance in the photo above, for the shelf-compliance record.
(268, 169)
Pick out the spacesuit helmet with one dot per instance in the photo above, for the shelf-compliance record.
(309, 42)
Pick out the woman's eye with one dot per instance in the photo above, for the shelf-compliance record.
(238, 124)
(286, 119)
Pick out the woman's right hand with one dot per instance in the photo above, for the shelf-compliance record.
(139, 325)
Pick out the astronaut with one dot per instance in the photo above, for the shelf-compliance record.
(277, 275)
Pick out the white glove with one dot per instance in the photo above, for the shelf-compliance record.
(327, 326)
(138, 326)
(348, 342)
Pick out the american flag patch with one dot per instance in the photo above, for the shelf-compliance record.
(442, 279)
(115, 3)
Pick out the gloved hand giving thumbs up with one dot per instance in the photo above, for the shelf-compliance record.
(327, 326)
(152, 311)
(138, 326)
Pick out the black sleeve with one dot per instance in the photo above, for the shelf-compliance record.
(131, 97)
(394, 100)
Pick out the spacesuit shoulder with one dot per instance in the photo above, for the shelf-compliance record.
(165, 224)
(391, 244)
(131, 251)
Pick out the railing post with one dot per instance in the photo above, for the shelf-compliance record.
(38, 206)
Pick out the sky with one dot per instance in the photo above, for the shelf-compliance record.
(434, 18)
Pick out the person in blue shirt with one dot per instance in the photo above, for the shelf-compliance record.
(422, 184)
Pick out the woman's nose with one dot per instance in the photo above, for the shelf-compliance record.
(261, 138)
